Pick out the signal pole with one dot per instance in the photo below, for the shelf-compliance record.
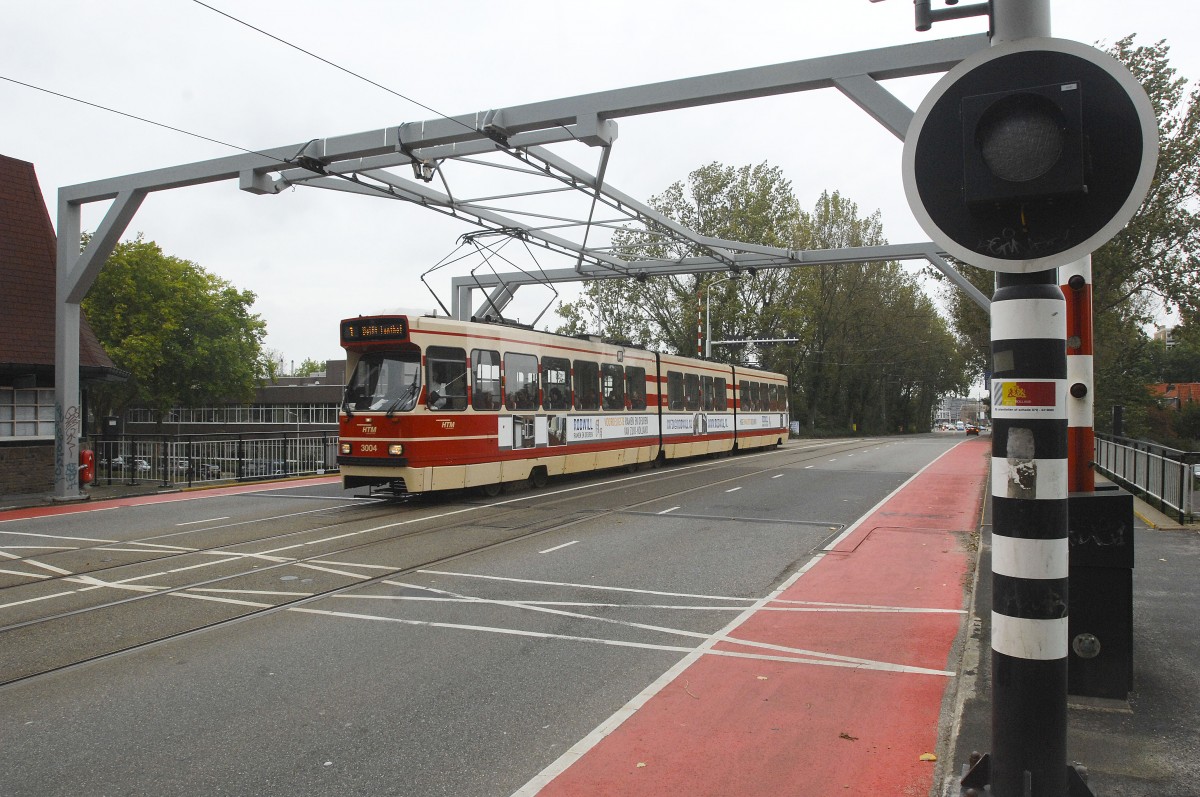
(1024, 159)
(1030, 553)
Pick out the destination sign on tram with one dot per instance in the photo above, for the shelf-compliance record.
(376, 328)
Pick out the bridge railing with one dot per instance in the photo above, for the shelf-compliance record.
(1166, 476)
(184, 460)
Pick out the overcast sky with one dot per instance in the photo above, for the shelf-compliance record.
(314, 257)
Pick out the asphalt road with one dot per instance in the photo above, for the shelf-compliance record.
(300, 640)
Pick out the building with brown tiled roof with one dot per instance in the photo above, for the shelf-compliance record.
(27, 280)
(1174, 395)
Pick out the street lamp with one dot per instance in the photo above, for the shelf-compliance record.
(708, 314)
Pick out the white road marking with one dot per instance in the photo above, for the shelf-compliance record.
(559, 547)
(221, 600)
(4, 548)
(209, 520)
(834, 661)
(24, 574)
(575, 586)
(668, 511)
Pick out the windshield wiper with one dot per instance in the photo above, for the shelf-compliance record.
(412, 389)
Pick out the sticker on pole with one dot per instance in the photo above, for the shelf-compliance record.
(1025, 398)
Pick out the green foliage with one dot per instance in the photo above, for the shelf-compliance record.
(1158, 252)
(187, 337)
(871, 353)
(309, 367)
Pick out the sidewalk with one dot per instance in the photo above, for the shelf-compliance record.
(121, 488)
(1146, 746)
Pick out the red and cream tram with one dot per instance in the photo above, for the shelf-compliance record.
(434, 403)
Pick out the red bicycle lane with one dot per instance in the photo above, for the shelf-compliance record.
(840, 693)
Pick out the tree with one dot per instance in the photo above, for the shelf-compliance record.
(752, 204)
(309, 367)
(1158, 252)
(187, 337)
(871, 352)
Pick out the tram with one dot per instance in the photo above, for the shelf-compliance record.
(435, 403)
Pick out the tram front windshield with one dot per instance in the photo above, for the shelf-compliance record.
(387, 382)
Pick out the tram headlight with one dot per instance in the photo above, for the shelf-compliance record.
(345, 448)
(396, 450)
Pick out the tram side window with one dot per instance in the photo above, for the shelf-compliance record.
(691, 391)
(520, 382)
(772, 398)
(744, 396)
(706, 393)
(674, 390)
(635, 380)
(556, 390)
(720, 395)
(756, 396)
(587, 383)
(446, 370)
(612, 386)
(485, 365)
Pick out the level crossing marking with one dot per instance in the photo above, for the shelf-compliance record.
(829, 660)
(26, 575)
(867, 663)
(814, 607)
(53, 536)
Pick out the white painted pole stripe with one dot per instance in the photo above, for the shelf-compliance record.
(1081, 411)
(1029, 319)
(1049, 477)
(1039, 640)
(1021, 558)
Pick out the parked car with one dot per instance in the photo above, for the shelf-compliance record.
(141, 465)
(209, 470)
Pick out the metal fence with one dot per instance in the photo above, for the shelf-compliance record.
(174, 460)
(1167, 476)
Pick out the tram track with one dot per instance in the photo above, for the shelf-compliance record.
(58, 625)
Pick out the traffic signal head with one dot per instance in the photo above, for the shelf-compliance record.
(1030, 155)
(1022, 146)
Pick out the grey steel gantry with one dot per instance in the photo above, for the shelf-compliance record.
(361, 162)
